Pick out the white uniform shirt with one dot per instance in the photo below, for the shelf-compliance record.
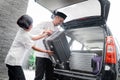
(39, 29)
(21, 43)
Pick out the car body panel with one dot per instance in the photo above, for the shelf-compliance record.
(55, 4)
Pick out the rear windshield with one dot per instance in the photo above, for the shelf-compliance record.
(88, 38)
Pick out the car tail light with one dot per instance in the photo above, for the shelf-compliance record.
(110, 50)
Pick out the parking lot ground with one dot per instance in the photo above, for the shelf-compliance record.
(30, 74)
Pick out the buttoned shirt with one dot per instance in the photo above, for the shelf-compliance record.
(22, 42)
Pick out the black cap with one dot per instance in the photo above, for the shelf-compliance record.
(60, 14)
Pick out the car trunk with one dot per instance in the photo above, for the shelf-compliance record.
(87, 59)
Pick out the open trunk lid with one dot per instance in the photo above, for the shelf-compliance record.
(83, 10)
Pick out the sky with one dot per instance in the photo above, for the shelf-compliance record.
(39, 14)
(113, 18)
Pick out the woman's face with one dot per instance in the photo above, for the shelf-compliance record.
(29, 28)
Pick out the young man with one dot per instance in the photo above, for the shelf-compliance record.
(22, 41)
(43, 62)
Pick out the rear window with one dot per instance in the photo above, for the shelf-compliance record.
(88, 38)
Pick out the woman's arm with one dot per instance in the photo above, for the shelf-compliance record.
(44, 34)
(39, 36)
(42, 50)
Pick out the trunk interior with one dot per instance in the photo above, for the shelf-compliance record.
(86, 46)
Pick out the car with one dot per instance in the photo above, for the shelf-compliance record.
(93, 52)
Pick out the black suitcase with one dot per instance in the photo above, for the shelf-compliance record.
(57, 42)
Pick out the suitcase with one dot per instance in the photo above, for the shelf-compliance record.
(81, 61)
(57, 42)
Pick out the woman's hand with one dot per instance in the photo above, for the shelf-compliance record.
(48, 32)
(49, 52)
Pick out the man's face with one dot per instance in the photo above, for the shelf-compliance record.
(58, 20)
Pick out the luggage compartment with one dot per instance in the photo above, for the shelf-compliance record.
(88, 62)
(63, 58)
